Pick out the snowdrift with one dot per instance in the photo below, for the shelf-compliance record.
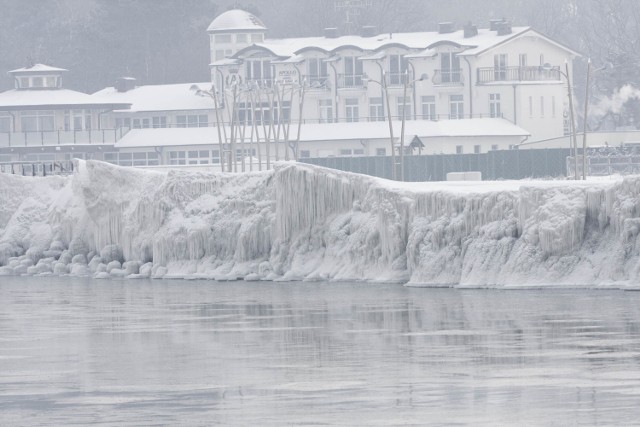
(301, 222)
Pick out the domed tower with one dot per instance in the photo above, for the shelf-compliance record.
(234, 30)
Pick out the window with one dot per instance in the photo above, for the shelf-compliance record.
(242, 38)
(541, 59)
(346, 152)
(381, 151)
(177, 157)
(376, 110)
(358, 151)
(257, 38)
(192, 121)
(476, 149)
(305, 154)
(351, 110)
(542, 106)
(352, 72)
(258, 69)
(522, 60)
(243, 113)
(37, 82)
(284, 112)
(24, 82)
(456, 107)
(404, 107)
(459, 149)
(494, 105)
(500, 66)
(223, 38)
(123, 123)
(159, 121)
(77, 120)
(429, 107)
(325, 107)
(398, 65)
(37, 121)
(5, 123)
(450, 64)
(133, 159)
(50, 81)
(494, 147)
(247, 153)
(144, 123)
(317, 72)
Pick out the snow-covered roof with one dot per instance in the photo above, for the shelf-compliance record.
(417, 40)
(332, 132)
(173, 97)
(420, 41)
(52, 98)
(37, 68)
(236, 20)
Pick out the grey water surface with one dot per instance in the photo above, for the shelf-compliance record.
(138, 353)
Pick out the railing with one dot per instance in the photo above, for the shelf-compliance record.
(453, 77)
(519, 74)
(37, 168)
(315, 82)
(419, 116)
(61, 137)
(602, 166)
(350, 81)
(398, 79)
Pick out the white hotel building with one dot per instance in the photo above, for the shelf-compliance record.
(461, 91)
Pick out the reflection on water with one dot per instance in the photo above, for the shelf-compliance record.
(203, 353)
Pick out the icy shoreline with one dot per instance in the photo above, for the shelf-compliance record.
(302, 222)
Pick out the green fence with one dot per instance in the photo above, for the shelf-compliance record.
(494, 165)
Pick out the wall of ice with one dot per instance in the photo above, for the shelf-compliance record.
(301, 222)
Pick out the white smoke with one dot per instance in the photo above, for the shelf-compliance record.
(616, 102)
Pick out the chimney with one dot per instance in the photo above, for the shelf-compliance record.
(494, 23)
(445, 28)
(368, 31)
(331, 33)
(125, 84)
(470, 30)
(504, 28)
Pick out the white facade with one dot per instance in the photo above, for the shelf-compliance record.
(512, 73)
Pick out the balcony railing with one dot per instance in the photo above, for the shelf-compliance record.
(315, 82)
(61, 137)
(398, 79)
(350, 81)
(517, 74)
(452, 77)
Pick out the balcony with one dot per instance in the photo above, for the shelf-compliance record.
(319, 83)
(398, 79)
(350, 81)
(517, 74)
(61, 137)
(451, 77)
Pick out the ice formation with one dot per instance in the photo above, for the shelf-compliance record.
(300, 222)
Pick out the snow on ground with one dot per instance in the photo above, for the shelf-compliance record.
(302, 222)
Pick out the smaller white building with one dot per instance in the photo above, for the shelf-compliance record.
(201, 146)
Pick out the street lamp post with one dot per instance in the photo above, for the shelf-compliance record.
(383, 84)
(573, 140)
(406, 84)
(212, 93)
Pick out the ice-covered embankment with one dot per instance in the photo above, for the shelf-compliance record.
(301, 222)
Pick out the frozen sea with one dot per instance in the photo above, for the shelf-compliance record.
(142, 353)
